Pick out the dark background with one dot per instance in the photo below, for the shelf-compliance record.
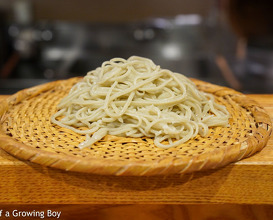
(227, 42)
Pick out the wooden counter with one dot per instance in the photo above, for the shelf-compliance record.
(247, 182)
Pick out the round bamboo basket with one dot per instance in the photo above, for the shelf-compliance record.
(27, 133)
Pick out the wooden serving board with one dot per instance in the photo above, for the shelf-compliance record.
(249, 181)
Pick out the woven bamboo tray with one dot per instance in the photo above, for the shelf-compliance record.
(27, 133)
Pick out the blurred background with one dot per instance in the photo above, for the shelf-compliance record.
(226, 42)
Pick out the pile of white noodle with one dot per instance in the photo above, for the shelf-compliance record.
(136, 98)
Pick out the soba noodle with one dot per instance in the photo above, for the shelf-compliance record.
(136, 98)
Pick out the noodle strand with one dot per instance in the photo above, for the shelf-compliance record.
(136, 98)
